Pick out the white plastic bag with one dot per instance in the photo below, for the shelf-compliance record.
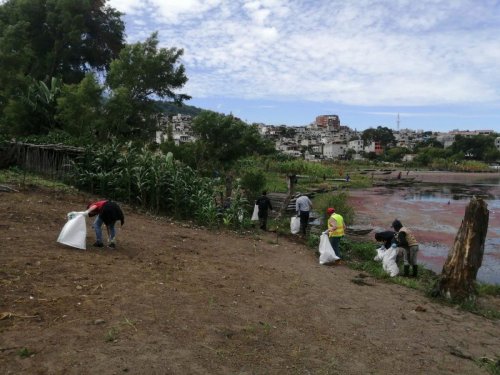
(389, 261)
(255, 215)
(74, 232)
(295, 225)
(326, 253)
(380, 254)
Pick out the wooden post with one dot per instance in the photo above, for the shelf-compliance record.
(291, 180)
(464, 259)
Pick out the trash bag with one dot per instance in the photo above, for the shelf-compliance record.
(295, 225)
(380, 254)
(326, 253)
(255, 215)
(74, 232)
(389, 262)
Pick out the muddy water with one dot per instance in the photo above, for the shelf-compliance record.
(434, 209)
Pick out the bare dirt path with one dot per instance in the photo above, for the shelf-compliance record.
(175, 299)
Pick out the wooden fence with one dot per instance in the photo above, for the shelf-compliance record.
(52, 161)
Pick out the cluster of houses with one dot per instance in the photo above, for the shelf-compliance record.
(325, 138)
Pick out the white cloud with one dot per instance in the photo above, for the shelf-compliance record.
(126, 6)
(366, 52)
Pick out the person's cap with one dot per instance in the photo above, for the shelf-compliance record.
(330, 210)
(396, 224)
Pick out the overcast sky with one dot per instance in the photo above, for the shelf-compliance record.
(435, 62)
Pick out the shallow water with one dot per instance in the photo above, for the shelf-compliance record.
(434, 210)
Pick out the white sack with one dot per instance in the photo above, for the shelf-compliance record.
(389, 261)
(74, 232)
(380, 254)
(326, 253)
(255, 215)
(295, 225)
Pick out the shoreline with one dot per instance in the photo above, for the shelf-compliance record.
(433, 217)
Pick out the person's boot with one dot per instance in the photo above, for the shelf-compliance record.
(406, 270)
(415, 271)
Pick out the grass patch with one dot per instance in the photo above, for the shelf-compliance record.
(475, 307)
(25, 353)
(112, 335)
(19, 178)
(488, 290)
(489, 364)
(360, 257)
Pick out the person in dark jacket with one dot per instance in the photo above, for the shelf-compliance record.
(107, 212)
(386, 237)
(264, 204)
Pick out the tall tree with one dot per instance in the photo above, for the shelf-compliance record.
(79, 107)
(142, 73)
(58, 38)
(42, 39)
(225, 139)
(381, 134)
(479, 147)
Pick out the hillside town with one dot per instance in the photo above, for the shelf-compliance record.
(325, 138)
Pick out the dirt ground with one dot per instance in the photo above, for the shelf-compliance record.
(176, 299)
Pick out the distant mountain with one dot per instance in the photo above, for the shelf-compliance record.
(171, 109)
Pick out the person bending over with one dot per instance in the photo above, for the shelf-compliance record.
(107, 212)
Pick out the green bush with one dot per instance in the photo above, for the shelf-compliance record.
(253, 182)
(338, 200)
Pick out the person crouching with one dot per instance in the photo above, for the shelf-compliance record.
(108, 212)
(404, 238)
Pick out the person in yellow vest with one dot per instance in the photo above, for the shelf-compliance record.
(405, 239)
(336, 229)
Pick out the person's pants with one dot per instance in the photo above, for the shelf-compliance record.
(304, 220)
(410, 255)
(98, 230)
(263, 221)
(335, 242)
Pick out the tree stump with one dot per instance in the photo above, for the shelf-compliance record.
(465, 257)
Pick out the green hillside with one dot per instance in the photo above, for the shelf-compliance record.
(171, 109)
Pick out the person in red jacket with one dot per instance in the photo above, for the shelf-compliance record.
(107, 212)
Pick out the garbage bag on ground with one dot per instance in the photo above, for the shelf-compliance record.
(295, 225)
(389, 262)
(388, 258)
(326, 253)
(380, 254)
(255, 215)
(74, 232)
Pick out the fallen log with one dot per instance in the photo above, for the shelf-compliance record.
(465, 257)
(8, 189)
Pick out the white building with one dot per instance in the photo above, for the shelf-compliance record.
(356, 145)
(334, 150)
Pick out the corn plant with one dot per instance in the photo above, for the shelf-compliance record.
(234, 215)
(152, 180)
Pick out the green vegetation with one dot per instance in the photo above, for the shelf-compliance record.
(16, 177)
(25, 353)
(338, 201)
(492, 365)
(381, 134)
(66, 68)
(112, 334)
(360, 257)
